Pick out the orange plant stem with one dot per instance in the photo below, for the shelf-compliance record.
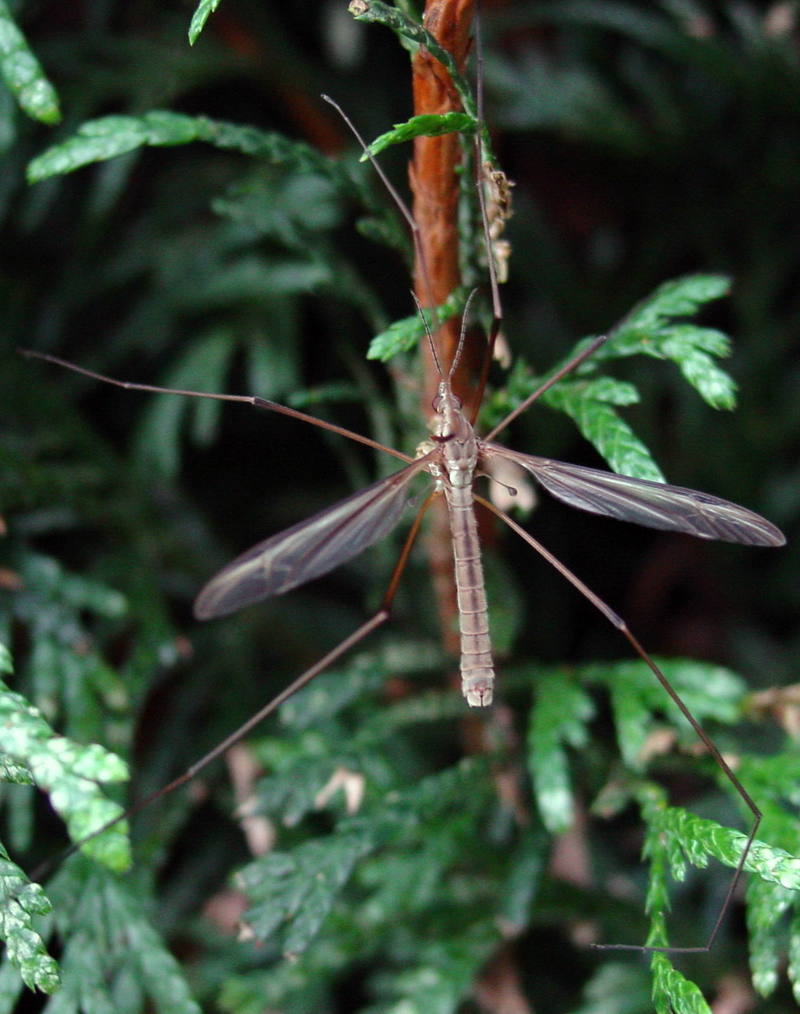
(435, 188)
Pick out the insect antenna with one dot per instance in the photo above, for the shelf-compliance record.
(462, 337)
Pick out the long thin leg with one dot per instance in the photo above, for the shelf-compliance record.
(399, 203)
(380, 617)
(245, 399)
(700, 732)
(497, 306)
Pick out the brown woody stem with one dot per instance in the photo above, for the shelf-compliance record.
(435, 188)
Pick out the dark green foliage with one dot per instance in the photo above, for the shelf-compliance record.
(384, 853)
(23, 74)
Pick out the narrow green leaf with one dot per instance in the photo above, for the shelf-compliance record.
(202, 367)
(633, 712)
(161, 975)
(292, 791)
(793, 970)
(401, 336)
(109, 136)
(204, 9)
(766, 905)
(558, 718)
(428, 125)
(522, 884)
(616, 988)
(404, 335)
(775, 778)
(23, 73)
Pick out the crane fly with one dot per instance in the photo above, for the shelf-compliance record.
(453, 457)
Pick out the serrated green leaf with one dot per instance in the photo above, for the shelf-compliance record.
(20, 902)
(657, 328)
(204, 9)
(775, 778)
(633, 716)
(332, 691)
(70, 774)
(427, 125)
(110, 136)
(678, 298)
(298, 890)
(301, 886)
(11, 771)
(716, 386)
(106, 921)
(673, 993)
(709, 691)
(586, 402)
(675, 832)
(656, 851)
(23, 73)
(293, 791)
(401, 336)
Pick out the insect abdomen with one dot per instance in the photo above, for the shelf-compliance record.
(477, 668)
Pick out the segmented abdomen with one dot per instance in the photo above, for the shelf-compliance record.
(477, 668)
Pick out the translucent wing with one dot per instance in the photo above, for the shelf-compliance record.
(642, 502)
(310, 548)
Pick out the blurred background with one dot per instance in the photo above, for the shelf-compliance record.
(645, 141)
